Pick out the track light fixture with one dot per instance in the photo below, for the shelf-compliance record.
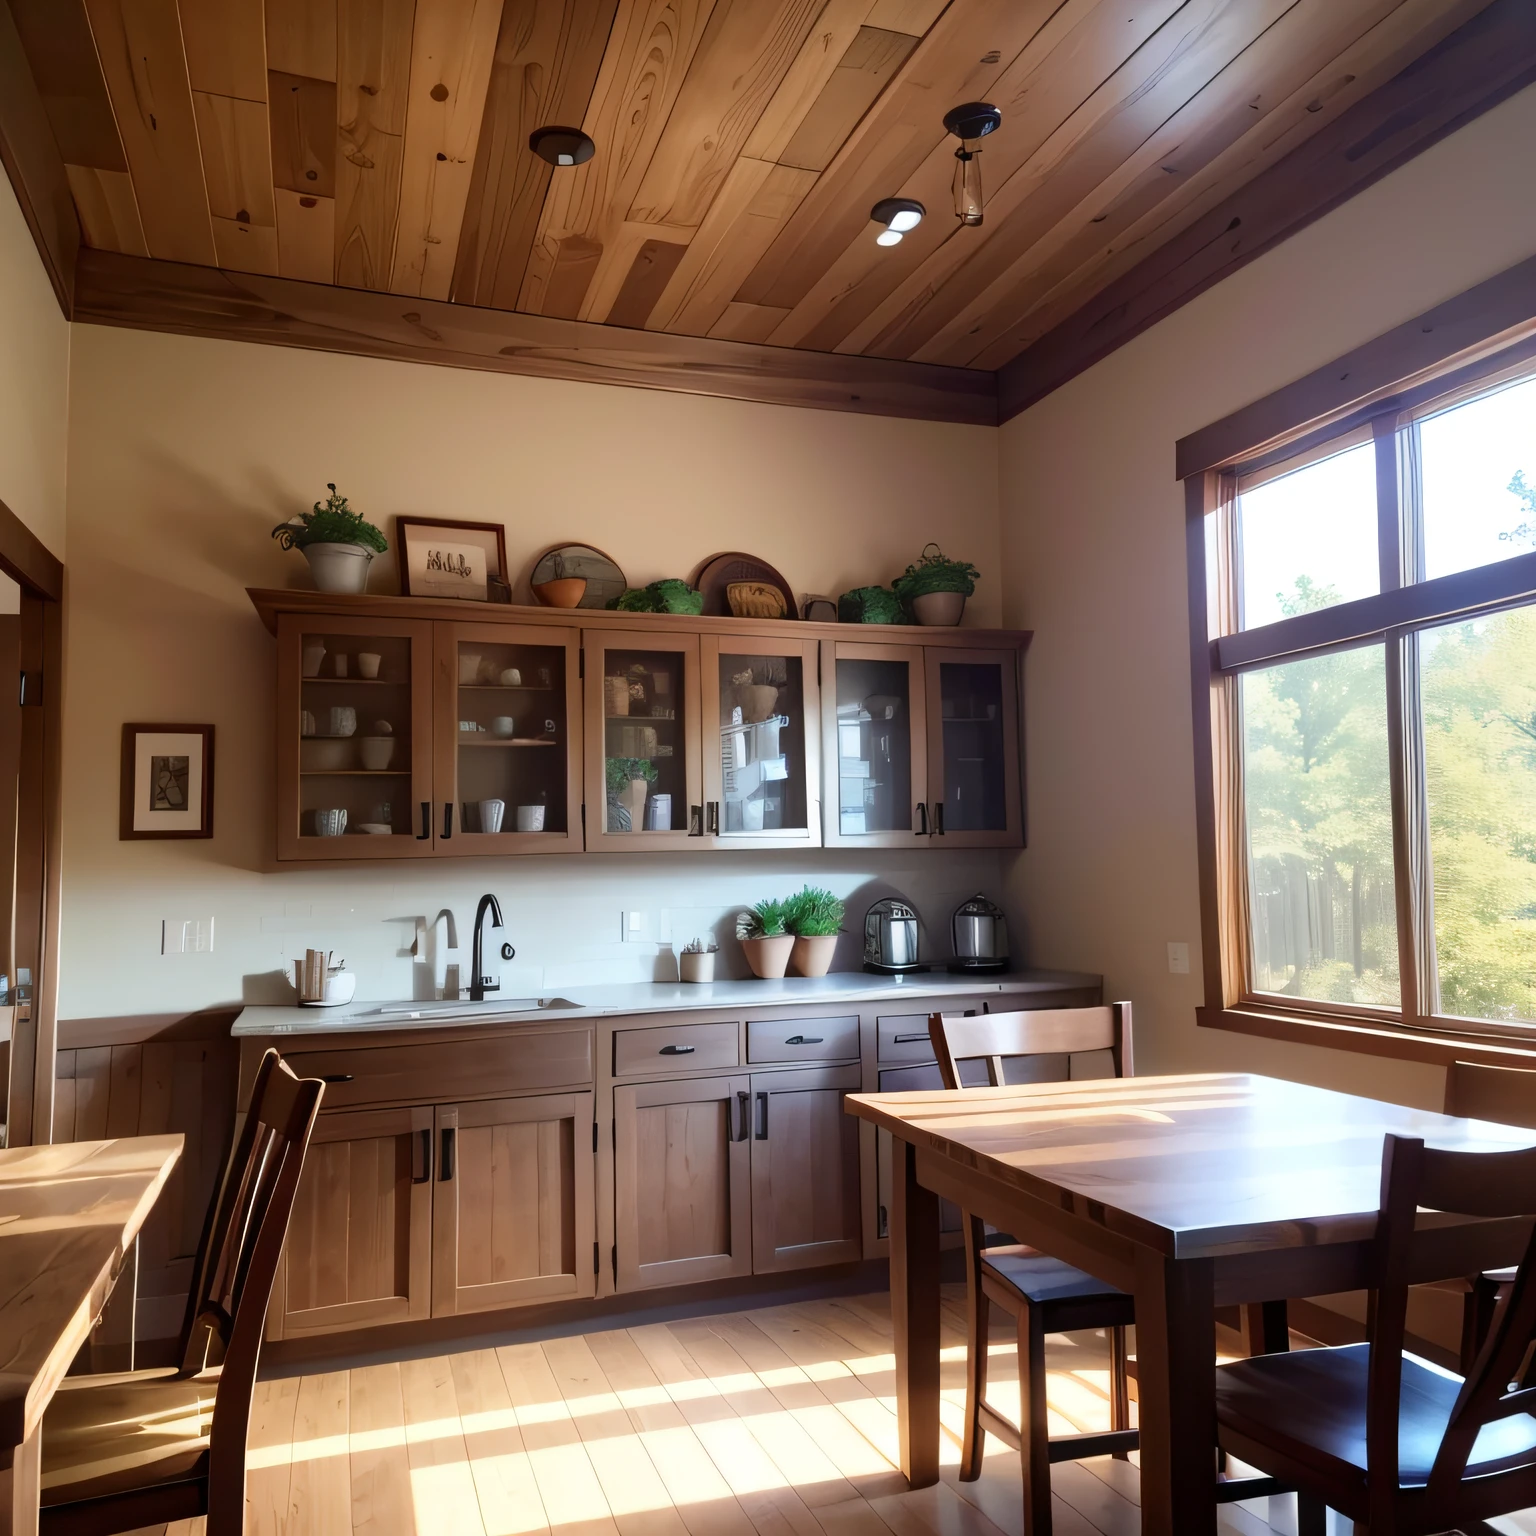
(970, 123)
(898, 214)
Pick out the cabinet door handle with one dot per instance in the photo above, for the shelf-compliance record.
(762, 1117)
(445, 1160)
(695, 821)
(714, 818)
(426, 822)
(424, 1146)
(677, 1050)
(922, 819)
(742, 1096)
(335, 1077)
(447, 820)
(911, 1039)
(938, 817)
(804, 1040)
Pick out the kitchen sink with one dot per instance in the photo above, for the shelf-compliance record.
(428, 1012)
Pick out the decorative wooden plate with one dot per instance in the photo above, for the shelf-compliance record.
(721, 571)
(604, 578)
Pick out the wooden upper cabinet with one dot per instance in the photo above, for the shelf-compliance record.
(512, 1214)
(359, 1246)
(354, 737)
(508, 739)
(644, 777)
(975, 778)
(874, 714)
(761, 732)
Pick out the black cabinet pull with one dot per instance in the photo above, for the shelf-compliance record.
(447, 820)
(445, 1161)
(762, 1117)
(425, 1147)
(938, 817)
(677, 1050)
(742, 1096)
(804, 1040)
(922, 819)
(426, 822)
(335, 1077)
(695, 821)
(714, 818)
(913, 1039)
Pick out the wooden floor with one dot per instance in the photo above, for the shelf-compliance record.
(779, 1421)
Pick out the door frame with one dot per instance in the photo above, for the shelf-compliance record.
(1011, 835)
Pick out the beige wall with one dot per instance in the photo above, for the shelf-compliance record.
(34, 384)
(183, 455)
(1093, 549)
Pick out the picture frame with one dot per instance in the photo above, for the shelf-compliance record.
(440, 557)
(167, 782)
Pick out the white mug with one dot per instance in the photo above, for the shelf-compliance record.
(530, 818)
(368, 664)
(313, 656)
(511, 678)
(343, 720)
(503, 726)
(491, 812)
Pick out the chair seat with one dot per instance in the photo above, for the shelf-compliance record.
(113, 1434)
(1042, 1280)
(1309, 1405)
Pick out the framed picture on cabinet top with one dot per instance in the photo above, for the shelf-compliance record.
(441, 558)
(167, 782)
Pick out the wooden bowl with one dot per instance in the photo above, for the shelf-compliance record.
(562, 592)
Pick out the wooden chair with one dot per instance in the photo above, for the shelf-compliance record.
(1042, 1294)
(124, 1451)
(1397, 1445)
(1508, 1096)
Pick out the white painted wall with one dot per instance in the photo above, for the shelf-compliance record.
(1093, 561)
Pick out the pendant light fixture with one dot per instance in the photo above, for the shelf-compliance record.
(561, 146)
(970, 123)
(898, 214)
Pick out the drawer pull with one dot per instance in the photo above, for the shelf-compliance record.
(425, 1176)
(676, 1050)
(335, 1077)
(762, 1117)
(804, 1040)
(912, 1039)
(741, 1097)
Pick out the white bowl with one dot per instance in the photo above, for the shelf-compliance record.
(377, 828)
(327, 754)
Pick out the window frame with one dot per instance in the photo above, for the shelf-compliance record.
(1452, 354)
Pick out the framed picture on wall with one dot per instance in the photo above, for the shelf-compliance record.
(440, 558)
(167, 781)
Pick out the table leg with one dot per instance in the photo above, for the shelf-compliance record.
(914, 1233)
(1176, 1362)
(21, 1489)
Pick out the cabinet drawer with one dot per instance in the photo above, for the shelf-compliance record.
(452, 1070)
(803, 1039)
(672, 1046)
(904, 1037)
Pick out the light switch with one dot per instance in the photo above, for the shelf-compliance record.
(173, 936)
(1178, 959)
(637, 927)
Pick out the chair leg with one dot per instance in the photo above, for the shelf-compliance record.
(1034, 1425)
(1119, 1387)
(1311, 1516)
(977, 1310)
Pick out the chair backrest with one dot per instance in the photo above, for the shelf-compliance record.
(1482, 1184)
(1504, 1094)
(998, 1037)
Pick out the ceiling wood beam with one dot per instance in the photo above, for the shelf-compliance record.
(1475, 68)
(35, 167)
(112, 289)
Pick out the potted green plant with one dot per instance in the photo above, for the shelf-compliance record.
(935, 588)
(815, 919)
(764, 940)
(338, 543)
(629, 782)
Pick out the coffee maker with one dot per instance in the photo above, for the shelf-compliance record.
(891, 939)
(979, 937)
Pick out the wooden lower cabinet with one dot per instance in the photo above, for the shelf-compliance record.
(359, 1250)
(512, 1211)
(682, 1196)
(805, 1169)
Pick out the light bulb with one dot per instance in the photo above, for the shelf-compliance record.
(908, 218)
(967, 185)
(888, 237)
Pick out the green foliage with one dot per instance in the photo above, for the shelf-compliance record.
(331, 522)
(870, 605)
(814, 913)
(623, 771)
(934, 573)
(668, 596)
(767, 919)
(1522, 533)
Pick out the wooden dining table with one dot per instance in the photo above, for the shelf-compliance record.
(1192, 1192)
(68, 1216)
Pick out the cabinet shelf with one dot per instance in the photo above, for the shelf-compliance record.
(359, 682)
(515, 741)
(354, 773)
(506, 688)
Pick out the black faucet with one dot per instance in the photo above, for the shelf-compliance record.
(479, 982)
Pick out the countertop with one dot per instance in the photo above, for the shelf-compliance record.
(656, 997)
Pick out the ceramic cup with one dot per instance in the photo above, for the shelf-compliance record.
(469, 667)
(330, 823)
(306, 722)
(658, 813)
(530, 818)
(368, 664)
(314, 655)
(340, 665)
(511, 678)
(343, 720)
(491, 812)
(377, 752)
(502, 726)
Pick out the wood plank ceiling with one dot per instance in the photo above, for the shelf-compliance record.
(383, 144)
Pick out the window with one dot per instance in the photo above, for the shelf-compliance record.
(1372, 714)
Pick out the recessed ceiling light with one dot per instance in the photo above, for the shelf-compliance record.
(898, 214)
(561, 146)
(888, 237)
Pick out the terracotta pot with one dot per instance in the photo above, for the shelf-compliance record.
(768, 957)
(632, 799)
(757, 701)
(339, 567)
(564, 592)
(812, 955)
(939, 608)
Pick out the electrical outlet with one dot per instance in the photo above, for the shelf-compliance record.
(173, 936)
(200, 934)
(1178, 959)
(186, 935)
(637, 928)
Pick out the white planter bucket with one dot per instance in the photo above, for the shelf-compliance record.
(339, 567)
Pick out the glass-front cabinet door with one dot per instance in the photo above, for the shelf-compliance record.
(874, 724)
(508, 770)
(974, 777)
(354, 740)
(644, 788)
(762, 742)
